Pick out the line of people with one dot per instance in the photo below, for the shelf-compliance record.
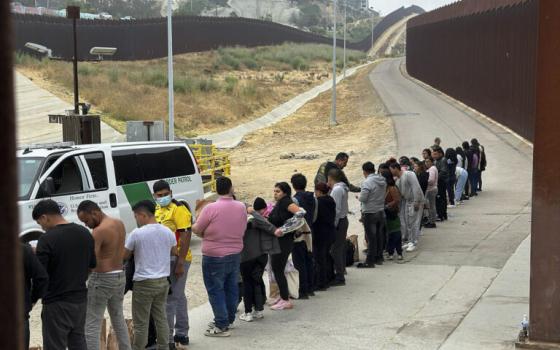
(238, 243)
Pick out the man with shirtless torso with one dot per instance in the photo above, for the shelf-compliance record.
(106, 282)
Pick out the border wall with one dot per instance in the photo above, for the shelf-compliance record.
(147, 38)
(482, 53)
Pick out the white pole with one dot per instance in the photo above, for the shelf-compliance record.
(170, 69)
(345, 5)
(333, 112)
(372, 26)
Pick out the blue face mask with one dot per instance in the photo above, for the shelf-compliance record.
(164, 201)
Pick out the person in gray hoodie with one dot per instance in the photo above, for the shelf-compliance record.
(412, 201)
(339, 193)
(258, 242)
(372, 201)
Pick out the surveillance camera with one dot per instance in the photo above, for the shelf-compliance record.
(102, 51)
(39, 48)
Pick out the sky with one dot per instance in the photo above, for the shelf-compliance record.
(388, 6)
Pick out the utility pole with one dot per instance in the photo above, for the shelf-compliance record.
(73, 12)
(344, 51)
(333, 112)
(171, 126)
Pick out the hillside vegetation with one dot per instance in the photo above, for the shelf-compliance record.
(213, 90)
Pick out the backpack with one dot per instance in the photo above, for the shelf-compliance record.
(349, 253)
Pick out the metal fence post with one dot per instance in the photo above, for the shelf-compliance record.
(11, 291)
(545, 247)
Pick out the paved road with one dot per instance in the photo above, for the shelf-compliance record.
(423, 303)
(33, 107)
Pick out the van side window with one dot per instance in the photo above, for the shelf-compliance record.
(148, 164)
(98, 170)
(67, 178)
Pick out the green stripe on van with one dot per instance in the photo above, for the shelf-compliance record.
(137, 192)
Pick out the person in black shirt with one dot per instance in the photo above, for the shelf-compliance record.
(422, 175)
(284, 209)
(443, 179)
(36, 282)
(67, 251)
(301, 253)
(340, 163)
(324, 234)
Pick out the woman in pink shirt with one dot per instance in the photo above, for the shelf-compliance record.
(222, 226)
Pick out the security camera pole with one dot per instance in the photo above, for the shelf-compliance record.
(73, 13)
(333, 112)
(170, 69)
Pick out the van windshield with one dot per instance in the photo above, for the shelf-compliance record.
(28, 172)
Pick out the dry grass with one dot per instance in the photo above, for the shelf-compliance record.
(213, 90)
(363, 131)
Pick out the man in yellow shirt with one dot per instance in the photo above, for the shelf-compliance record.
(177, 217)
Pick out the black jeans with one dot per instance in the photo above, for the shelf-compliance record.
(254, 293)
(395, 243)
(323, 263)
(338, 249)
(63, 325)
(303, 262)
(26, 331)
(278, 264)
(451, 189)
(373, 226)
(441, 199)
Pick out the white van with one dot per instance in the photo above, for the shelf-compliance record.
(115, 176)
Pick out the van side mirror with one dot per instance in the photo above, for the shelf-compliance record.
(47, 187)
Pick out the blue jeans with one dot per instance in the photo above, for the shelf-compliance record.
(221, 276)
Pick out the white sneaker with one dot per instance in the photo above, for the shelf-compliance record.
(258, 315)
(389, 257)
(399, 257)
(451, 206)
(247, 317)
(405, 246)
(411, 248)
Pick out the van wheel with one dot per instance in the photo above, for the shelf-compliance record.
(30, 236)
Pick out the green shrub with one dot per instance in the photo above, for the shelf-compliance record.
(229, 60)
(113, 74)
(251, 63)
(230, 84)
(86, 70)
(208, 85)
(183, 85)
(154, 78)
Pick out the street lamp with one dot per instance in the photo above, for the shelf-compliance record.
(170, 70)
(333, 112)
(100, 51)
(43, 50)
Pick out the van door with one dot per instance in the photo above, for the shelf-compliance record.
(76, 176)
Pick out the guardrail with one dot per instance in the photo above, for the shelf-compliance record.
(212, 163)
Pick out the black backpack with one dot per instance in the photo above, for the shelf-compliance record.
(349, 253)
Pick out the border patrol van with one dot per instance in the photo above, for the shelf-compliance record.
(115, 176)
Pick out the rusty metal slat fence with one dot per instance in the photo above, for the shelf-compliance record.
(482, 56)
